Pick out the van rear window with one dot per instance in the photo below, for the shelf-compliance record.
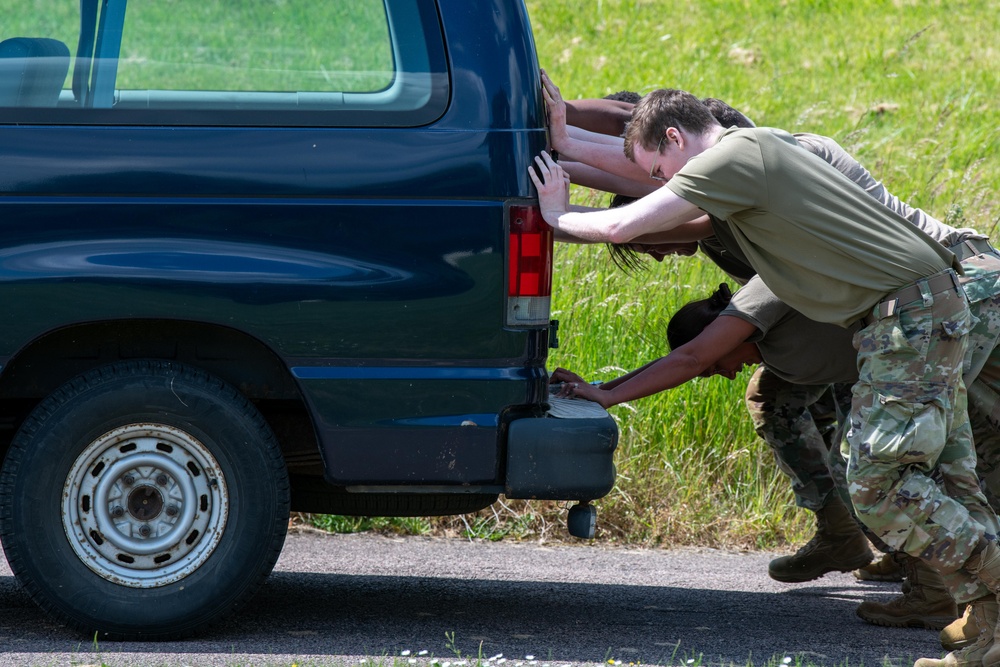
(219, 62)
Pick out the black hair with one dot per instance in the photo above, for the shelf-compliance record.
(725, 114)
(624, 96)
(622, 255)
(692, 318)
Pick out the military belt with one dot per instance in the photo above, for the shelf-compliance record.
(971, 248)
(936, 284)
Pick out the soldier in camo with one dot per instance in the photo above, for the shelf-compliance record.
(983, 562)
(799, 422)
(984, 417)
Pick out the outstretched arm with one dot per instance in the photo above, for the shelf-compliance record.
(685, 363)
(607, 117)
(598, 179)
(600, 151)
(658, 211)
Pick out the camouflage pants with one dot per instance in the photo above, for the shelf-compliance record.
(802, 424)
(912, 465)
(982, 376)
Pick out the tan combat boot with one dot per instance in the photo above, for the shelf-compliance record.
(884, 569)
(926, 603)
(986, 567)
(838, 546)
(974, 654)
(964, 631)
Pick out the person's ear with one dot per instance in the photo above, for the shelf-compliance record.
(674, 136)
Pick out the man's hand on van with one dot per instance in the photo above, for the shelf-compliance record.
(552, 183)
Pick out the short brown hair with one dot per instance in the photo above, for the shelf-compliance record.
(660, 109)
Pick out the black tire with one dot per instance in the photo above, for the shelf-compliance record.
(175, 506)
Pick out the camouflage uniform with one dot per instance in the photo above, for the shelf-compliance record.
(981, 373)
(909, 417)
(800, 423)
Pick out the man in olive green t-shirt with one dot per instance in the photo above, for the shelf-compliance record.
(829, 250)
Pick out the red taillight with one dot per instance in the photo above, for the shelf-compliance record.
(529, 275)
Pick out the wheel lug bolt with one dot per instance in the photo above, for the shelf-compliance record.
(161, 479)
(172, 510)
(144, 531)
(128, 479)
(117, 511)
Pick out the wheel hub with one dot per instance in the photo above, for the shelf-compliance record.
(145, 505)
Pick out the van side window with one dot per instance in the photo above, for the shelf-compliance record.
(218, 62)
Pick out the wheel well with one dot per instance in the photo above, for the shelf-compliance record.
(255, 370)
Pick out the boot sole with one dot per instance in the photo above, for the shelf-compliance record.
(926, 622)
(801, 577)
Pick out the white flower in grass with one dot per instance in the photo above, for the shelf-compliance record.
(787, 660)
(412, 661)
(406, 652)
(424, 652)
(690, 661)
(529, 657)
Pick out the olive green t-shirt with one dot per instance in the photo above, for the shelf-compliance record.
(795, 348)
(818, 241)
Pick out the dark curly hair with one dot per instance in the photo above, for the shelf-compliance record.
(692, 318)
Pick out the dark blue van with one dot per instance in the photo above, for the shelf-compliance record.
(258, 257)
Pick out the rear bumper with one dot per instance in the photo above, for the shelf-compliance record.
(567, 457)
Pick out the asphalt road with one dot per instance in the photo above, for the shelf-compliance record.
(335, 599)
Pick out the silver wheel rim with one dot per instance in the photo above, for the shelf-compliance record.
(145, 505)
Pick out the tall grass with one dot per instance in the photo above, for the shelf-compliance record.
(690, 468)
(910, 87)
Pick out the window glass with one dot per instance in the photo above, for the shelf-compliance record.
(225, 62)
(261, 45)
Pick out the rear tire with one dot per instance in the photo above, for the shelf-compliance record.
(143, 500)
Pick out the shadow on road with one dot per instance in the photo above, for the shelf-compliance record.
(330, 616)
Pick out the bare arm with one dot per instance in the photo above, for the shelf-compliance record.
(658, 211)
(685, 363)
(581, 146)
(591, 177)
(597, 115)
(694, 230)
(595, 138)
